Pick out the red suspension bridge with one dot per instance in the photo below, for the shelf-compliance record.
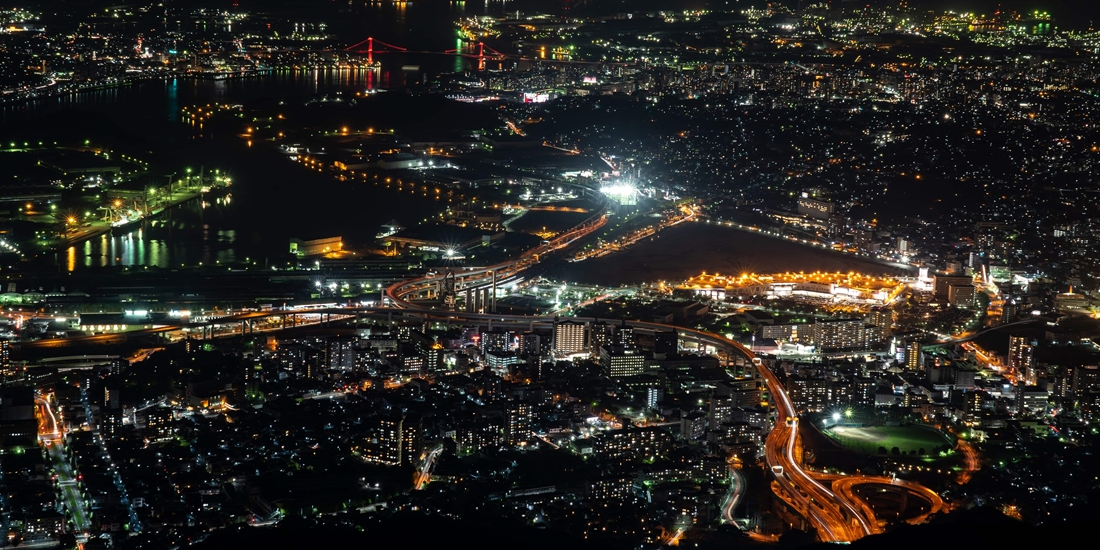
(390, 48)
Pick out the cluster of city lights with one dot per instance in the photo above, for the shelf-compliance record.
(7, 246)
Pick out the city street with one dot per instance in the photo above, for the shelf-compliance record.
(50, 434)
(734, 495)
(69, 489)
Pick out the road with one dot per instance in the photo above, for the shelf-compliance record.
(424, 474)
(401, 293)
(603, 248)
(836, 519)
(973, 461)
(846, 486)
(803, 493)
(970, 335)
(735, 494)
(69, 489)
(50, 434)
(48, 430)
(222, 327)
(609, 295)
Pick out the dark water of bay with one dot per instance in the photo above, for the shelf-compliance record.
(272, 199)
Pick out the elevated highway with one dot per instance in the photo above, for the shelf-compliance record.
(430, 286)
(476, 281)
(848, 486)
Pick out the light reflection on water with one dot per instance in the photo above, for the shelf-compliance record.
(187, 234)
(137, 249)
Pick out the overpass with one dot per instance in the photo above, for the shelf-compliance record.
(846, 486)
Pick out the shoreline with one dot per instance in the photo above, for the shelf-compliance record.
(101, 228)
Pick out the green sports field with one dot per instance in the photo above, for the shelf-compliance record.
(908, 439)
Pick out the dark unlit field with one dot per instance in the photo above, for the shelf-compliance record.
(692, 248)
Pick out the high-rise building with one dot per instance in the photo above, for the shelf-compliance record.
(1031, 399)
(339, 352)
(1086, 380)
(624, 334)
(110, 423)
(530, 342)
(18, 425)
(501, 360)
(648, 443)
(863, 392)
(785, 332)
(809, 394)
(159, 425)
(534, 364)
(693, 426)
(874, 334)
(600, 334)
(745, 392)
(972, 407)
(620, 361)
(496, 340)
(964, 379)
(412, 438)
(1021, 354)
(433, 357)
(941, 284)
(881, 317)
(961, 295)
(412, 364)
(517, 423)
(569, 337)
(721, 410)
(665, 344)
(5, 357)
(611, 488)
(112, 393)
(1010, 311)
(989, 238)
(914, 357)
(835, 334)
(653, 397)
(383, 442)
(392, 440)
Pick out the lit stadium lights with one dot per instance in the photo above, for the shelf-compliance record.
(619, 190)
